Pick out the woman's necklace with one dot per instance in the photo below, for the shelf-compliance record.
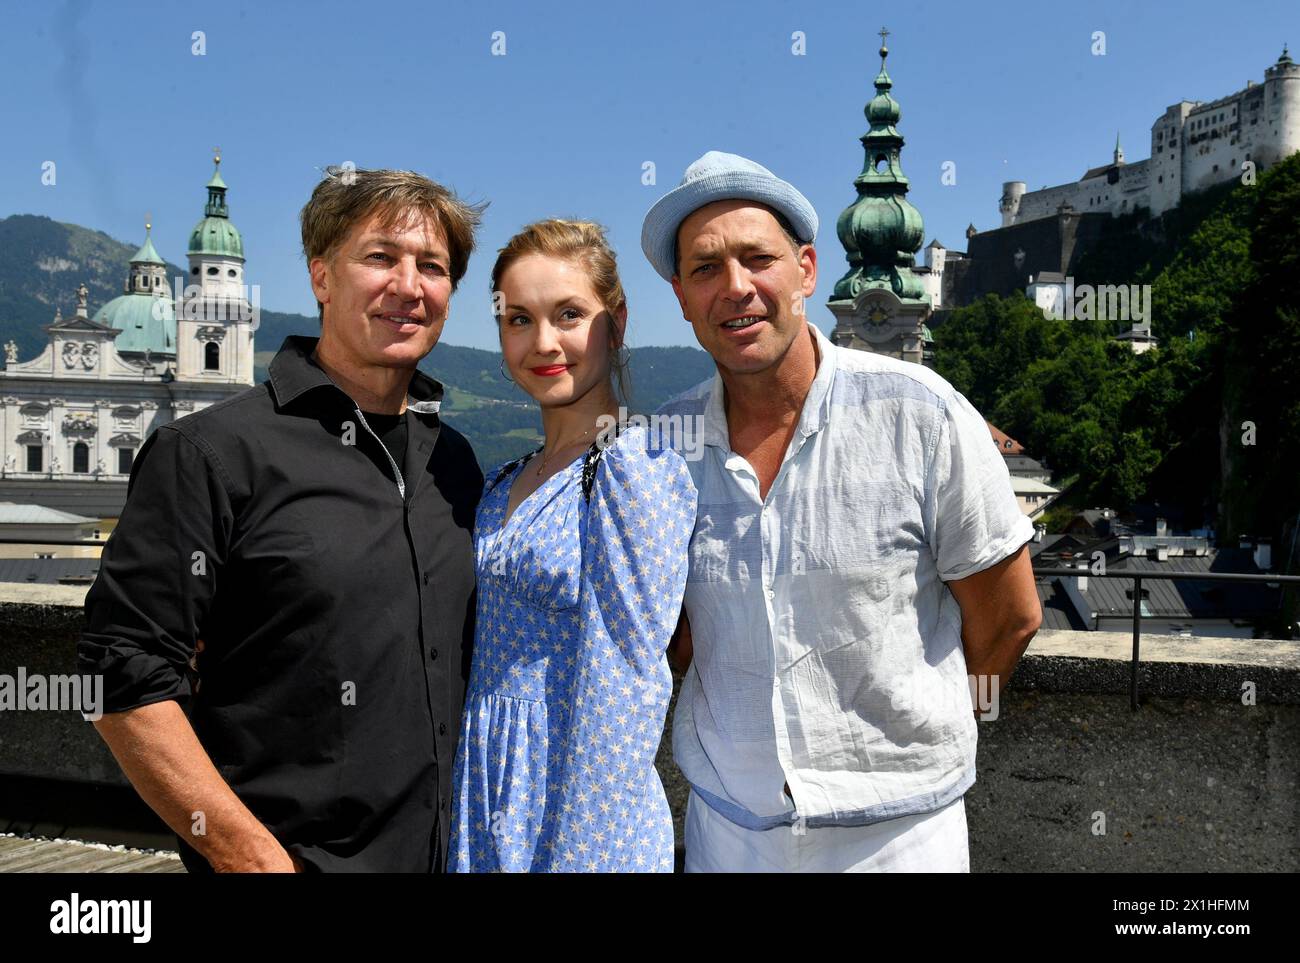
(568, 444)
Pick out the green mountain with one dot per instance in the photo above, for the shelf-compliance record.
(42, 261)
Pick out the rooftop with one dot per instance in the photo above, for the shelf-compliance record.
(14, 513)
(47, 571)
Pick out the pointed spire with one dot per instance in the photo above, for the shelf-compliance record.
(1286, 57)
(216, 206)
(883, 108)
(147, 253)
(1119, 151)
(881, 231)
(216, 170)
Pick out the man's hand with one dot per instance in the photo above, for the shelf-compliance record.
(1000, 613)
(263, 858)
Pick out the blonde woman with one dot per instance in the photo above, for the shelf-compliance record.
(580, 551)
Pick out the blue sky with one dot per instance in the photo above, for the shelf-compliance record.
(585, 94)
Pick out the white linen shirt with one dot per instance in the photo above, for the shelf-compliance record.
(827, 650)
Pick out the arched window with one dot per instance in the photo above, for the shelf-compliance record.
(212, 272)
(212, 356)
(35, 458)
(124, 459)
(81, 458)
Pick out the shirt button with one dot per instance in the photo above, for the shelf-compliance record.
(770, 594)
(433, 654)
(443, 803)
(442, 728)
(426, 578)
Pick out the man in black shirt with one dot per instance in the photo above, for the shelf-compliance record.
(303, 588)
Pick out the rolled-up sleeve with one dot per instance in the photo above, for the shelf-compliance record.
(972, 515)
(158, 575)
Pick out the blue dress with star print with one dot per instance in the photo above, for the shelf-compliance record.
(579, 591)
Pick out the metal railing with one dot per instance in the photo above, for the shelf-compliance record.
(1138, 577)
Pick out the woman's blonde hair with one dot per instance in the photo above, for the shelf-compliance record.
(584, 243)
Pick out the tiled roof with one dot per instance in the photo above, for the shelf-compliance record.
(1030, 486)
(1190, 599)
(1097, 171)
(12, 513)
(48, 571)
(1006, 444)
(1023, 463)
(1058, 612)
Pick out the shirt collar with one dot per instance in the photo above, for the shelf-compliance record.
(815, 407)
(294, 371)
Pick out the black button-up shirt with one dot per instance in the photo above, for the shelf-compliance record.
(333, 592)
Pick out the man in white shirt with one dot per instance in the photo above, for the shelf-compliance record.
(857, 564)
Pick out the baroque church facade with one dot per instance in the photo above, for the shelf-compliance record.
(73, 418)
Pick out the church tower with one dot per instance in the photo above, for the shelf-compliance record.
(144, 311)
(214, 318)
(881, 304)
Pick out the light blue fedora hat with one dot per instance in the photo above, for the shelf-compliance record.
(718, 176)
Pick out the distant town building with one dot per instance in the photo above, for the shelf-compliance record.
(1033, 496)
(1194, 145)
(1048, 290)
(1139, 338)
(73, 418)
(1168, 607)
(32, 523)
(1030, 479)
(1094, 523)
